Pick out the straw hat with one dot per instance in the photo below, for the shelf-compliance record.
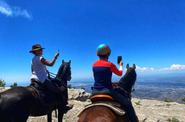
(35, 48)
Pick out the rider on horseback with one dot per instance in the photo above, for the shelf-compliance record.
(40, 72)
(102, 70)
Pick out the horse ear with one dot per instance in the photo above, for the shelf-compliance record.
(127, 66)
(62, 61)
(134, 66)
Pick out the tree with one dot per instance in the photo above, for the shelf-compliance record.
(14, 85)
(2, 83)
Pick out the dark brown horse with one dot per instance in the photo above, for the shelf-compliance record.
(18, 103)
(101, 113)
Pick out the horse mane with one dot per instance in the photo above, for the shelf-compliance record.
(127, 82)
(64, 71)
(61, 68)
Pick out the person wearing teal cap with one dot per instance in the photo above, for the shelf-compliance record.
(102, 72)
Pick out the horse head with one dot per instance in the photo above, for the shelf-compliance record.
(64, 72)
(128, 80)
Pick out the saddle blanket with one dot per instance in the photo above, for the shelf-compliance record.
(112, 105)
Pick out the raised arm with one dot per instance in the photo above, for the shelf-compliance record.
(52, 62)
(115, 70)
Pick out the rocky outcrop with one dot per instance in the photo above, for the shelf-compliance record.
(147, 110)
(78, 94)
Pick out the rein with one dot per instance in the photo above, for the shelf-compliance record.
(50, 74)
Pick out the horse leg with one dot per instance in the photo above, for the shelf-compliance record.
(20, 118)
(49, 117)
(60, 115)
(56, 113)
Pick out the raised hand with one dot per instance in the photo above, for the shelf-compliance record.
(57, 54)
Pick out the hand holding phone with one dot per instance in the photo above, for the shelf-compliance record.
(119, 59)
(57, 54)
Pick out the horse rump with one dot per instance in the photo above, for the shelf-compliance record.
(102, 112)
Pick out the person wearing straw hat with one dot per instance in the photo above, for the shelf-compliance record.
(39, 70)
(40, 73)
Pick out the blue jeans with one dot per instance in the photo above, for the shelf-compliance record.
(126, 104)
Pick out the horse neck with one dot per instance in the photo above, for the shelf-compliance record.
(127, 83)
(62, 74)
(59, 73)
(62, 79)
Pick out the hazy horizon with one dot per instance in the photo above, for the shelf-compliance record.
(149, 33)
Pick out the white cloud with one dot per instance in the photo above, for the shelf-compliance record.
(144, 69)
(13, 11)
(173, 67)
(5, 9)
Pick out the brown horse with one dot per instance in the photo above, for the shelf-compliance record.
(18, 103)
(101, 113)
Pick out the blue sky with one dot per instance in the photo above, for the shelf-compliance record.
(149, 33)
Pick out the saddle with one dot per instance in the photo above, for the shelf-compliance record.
(43, 96)
(101, 97)
(107, 101)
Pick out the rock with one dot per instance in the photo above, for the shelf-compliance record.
(70, 116)
(78, 94)
(146, 110)
(1, 89)
(153, 110)
(4, 89)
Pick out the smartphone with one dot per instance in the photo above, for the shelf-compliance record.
(119, 59)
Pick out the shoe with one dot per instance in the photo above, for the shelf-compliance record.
(68, 107)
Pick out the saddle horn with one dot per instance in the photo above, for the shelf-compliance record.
(63, 61)
(70, 61)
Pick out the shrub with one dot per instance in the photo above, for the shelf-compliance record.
(138, 103)
(168, 105)
(168, 100)
(173, 120)
(183, 99)
(2, 83)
